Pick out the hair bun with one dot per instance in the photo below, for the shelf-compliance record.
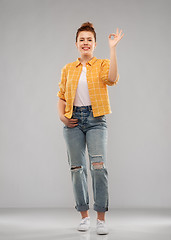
(87, 24)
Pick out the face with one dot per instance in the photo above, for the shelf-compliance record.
(85, 43)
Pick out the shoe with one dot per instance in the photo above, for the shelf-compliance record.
(101, 227)
(84, 224)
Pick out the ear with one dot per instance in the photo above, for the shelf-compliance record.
(76, 44)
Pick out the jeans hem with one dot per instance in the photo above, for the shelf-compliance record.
(82, 208)
(100, 209)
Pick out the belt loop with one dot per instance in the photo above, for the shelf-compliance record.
(76, 108)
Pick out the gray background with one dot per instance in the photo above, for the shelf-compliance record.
(37, 40)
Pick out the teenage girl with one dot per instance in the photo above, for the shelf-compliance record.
(82, 106)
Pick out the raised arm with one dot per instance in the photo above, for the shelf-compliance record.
(113, 69)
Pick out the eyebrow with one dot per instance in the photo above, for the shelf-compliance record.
(83, 37)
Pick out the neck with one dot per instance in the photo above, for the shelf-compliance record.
(84, 58)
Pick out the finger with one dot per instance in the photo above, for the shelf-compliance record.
(112, 34)
(117, 31)
(73, 120)
(122, 35)
(72, 125)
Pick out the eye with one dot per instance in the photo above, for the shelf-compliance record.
(90, 40)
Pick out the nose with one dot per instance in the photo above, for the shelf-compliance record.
(85, 41)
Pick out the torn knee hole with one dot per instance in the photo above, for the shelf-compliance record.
(98, 165)
(75, 167)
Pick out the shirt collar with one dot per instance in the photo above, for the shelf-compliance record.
(89, 62)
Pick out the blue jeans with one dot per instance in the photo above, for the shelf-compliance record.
(90, 131)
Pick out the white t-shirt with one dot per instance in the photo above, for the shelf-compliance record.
(82, 97)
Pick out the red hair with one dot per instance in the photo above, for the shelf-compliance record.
(87, 26)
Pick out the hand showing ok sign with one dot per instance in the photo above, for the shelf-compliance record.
(117, 38)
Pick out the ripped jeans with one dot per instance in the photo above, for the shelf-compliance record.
(90, 131)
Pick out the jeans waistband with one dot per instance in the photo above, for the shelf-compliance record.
(82, 108)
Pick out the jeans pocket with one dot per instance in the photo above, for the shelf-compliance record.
(101, 118)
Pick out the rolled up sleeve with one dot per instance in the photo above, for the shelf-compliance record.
(104, 73)
(62, 84)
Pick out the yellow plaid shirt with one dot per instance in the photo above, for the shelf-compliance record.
(97, 80)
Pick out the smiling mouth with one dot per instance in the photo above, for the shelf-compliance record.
(85, 48)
